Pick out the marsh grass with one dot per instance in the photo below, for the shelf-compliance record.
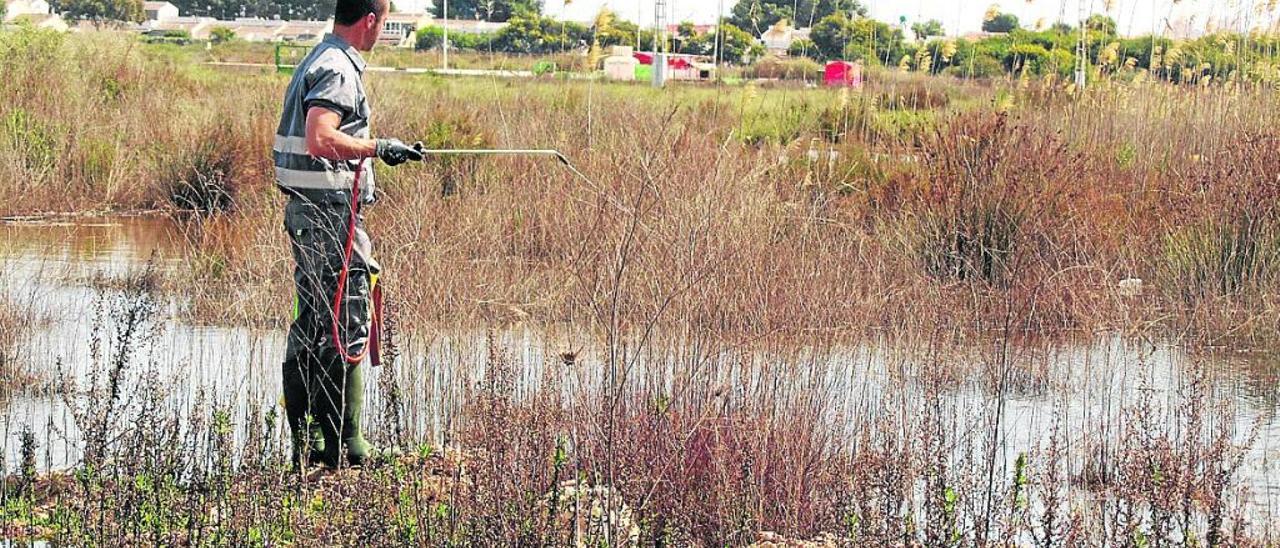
(698, 290)
(631, 439)
(13, 334)
(241, 51)
(893, 219)
(1231, 258)
(21, 321)
(748, 446)
(107, 138)
(777, 68)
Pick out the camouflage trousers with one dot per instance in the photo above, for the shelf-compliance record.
(323, 394)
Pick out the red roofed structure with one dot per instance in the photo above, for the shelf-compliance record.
(843, 74)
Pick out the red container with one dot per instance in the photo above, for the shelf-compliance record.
(843, 74)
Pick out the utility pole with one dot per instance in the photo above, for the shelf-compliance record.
(659, 43)
(659, 25)
(639, 46)
(715, 45)
(446, 35)
(1082, 50)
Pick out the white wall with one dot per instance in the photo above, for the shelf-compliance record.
(25, 7)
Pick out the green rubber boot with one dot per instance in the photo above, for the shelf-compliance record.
(359, 451)
(338, 406)
(304, 429)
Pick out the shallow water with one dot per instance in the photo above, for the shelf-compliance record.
(51, 267)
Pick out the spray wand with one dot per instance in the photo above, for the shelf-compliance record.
(564, 160)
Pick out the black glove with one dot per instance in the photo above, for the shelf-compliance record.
(394, 152)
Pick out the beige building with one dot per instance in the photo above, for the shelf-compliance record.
(398, 28)
(304, 31)
(197, 28)
(14, 9)
(160, 11)
(253, 29)
(249, 29)
(468, 25)
(48, 21)
(778, 39)
(621, 64)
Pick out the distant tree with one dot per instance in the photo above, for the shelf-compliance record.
(686, 39)
(487, 10)
(812, 11)
(686, 29)
(738, 46)
(1031, 57)
(532, 33)
(100, 11)
(759, 15)
(428, 37)
(756, 16)
(802, 47)
(476, 41)
(697, 43)
(923, 31)
(839, 37)
(611, 31)
(1101, 23)
(1002, 22)
(497, 11)
(1061, 28)
(828, 36)
(222, 34)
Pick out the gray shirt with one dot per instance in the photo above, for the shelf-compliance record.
(331, 76)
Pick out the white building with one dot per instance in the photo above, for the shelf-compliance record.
(304, 31)
(468, 25)
(249, 29)
(780, 36)
(621, 64)
(47, 21)
(253, 29)
(13, 9)
(160, 11)
(197, 28)
(398, 28)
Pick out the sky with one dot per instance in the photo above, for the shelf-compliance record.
(962, 16)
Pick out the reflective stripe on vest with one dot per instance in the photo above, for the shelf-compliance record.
(291, 145)
(316, 180)
(319, 177)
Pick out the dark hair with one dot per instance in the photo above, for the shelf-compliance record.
(348, 12)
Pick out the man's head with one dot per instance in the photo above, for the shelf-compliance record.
(359, 22)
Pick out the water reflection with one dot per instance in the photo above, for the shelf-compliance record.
(1075, 384)
(116, 241)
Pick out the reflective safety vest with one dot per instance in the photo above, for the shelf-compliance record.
(332, 77)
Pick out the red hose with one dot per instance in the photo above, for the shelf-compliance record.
(344, 273)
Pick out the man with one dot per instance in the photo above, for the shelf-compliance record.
(322, 148)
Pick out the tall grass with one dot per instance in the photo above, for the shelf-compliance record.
(124, 130)
(695, 302)
(809, 209)
(1212, 260)
(694, 445)
(20, 321)
(241, 51)
(12, 335)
